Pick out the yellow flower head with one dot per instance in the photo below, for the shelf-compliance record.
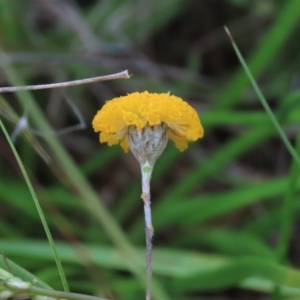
(142, 109)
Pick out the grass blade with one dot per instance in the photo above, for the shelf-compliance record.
(265, 53)
(264, 101)
(288, 210)
(39, 209)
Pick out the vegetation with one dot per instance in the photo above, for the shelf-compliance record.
(225, 212)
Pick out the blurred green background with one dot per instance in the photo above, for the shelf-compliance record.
(225, 211)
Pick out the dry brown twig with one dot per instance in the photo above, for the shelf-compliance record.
(121, 75)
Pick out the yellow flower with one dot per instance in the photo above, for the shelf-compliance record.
(142, 109)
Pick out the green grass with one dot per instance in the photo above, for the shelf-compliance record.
(224, 212)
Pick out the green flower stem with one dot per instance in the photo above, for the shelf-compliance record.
(146, 170)
(38, 207)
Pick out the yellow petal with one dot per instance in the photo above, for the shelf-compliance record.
(142, 109)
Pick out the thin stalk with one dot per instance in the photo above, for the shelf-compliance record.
(264, 101)
(146, 177)
(288, 204)
(120, 75)
(39, 209)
